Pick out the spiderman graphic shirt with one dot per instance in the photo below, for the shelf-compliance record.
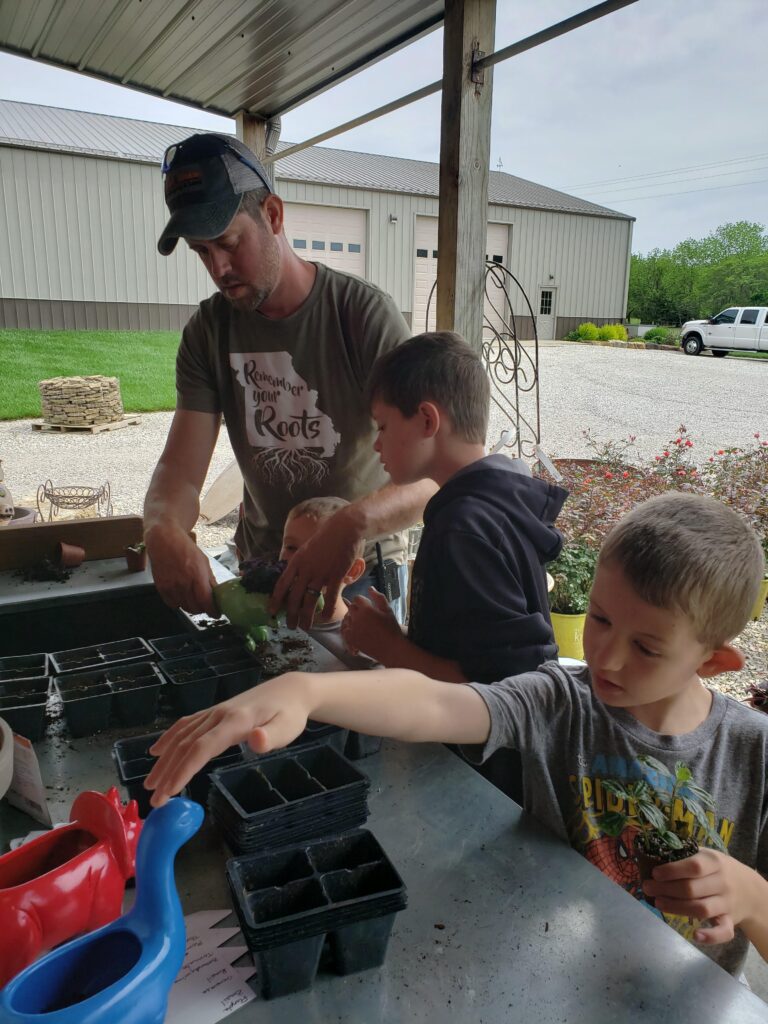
(571, 743)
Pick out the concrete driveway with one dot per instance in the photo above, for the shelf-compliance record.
(616, 392)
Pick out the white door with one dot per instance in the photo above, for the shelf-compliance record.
(425, 273)
(333, 235)
(719, 333)
(545, 321)
(746, 331)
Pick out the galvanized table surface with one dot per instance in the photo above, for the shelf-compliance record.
(503, 923)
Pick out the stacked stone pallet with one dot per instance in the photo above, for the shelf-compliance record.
(81, 401)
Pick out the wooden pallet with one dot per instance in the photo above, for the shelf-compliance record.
(86, 428)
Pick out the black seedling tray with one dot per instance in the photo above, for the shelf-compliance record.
(129, 693)
(82, 659)
(184, 645)
(288, 797)
(23, 666)
(23, 704)
(200, 783)
(205, 679)
(359, 745)
(287, 780)
(341, 894)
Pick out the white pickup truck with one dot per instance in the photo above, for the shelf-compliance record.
(739, 328)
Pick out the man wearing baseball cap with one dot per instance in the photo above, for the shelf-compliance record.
(282, 353)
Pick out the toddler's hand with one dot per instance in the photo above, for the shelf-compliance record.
(268, 717)
(370, 626)
(709, 887)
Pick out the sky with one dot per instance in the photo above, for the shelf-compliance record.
(657, 110)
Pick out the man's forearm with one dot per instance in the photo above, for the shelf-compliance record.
(170, 500)
(398, 704)
(389, 509)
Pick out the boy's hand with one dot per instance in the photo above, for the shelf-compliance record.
(709, 887)
(268, 717)
(370, 626)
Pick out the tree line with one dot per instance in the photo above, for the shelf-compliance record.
(699, 277)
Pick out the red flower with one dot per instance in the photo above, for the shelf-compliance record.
(609, 476)
(681, 472)
(678, 440)
(757, 435)
(666, 454)
(689, 444)
(720, 452)
(625, 474)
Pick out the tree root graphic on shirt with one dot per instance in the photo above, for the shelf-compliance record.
(290, 467)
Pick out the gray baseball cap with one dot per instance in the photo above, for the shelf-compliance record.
(205, 178)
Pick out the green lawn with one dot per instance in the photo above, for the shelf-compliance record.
(142, 360)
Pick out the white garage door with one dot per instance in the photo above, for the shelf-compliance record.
(331, 235)
(426, 269)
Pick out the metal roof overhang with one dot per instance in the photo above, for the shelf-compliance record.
(261, 56)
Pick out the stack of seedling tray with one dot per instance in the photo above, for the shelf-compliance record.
(24, 688)
(127, 693)
(209, 677)
(288, 797)
(336, 895)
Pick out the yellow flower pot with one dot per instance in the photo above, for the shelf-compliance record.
(757, 611)
(569, 634)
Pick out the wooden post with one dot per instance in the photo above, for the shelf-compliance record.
(252, 131)
(465, 147)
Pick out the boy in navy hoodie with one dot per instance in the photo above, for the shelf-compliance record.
(479, 609)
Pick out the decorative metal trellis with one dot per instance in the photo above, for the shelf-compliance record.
(73, 499)
(512, 367)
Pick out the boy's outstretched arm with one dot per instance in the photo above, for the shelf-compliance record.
(384, 702)
(713, 887)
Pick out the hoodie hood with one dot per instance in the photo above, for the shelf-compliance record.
(509, 493)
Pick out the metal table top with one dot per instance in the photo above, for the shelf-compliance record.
(530, 931)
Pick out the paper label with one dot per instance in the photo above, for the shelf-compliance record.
(27, 791)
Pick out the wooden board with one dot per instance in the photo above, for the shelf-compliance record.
(85, 428)
(22, 546)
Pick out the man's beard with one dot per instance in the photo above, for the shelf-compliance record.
(251, 301)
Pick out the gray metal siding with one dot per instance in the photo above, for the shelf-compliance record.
(82, 230)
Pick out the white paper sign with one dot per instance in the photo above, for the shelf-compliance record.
(27, 791)
(208, 988)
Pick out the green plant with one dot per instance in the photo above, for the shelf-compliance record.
(612, 332)
(572, 336)
(588, 331)
(573, 572)
(654, 809)
(612, 453)
(657, 334)
(137, 548)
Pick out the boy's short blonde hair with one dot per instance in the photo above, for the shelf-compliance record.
(320, 509)
(693, 553)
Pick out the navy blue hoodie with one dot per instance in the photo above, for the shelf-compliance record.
(478, 590)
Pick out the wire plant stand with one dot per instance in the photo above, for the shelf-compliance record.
(513, 368)
(75, 498)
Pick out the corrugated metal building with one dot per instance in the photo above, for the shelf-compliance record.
(83, 206)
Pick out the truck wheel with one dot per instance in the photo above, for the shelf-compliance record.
(719, 352)
(692, 345)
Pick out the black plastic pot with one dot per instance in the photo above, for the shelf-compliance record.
(136, 692)
(337, 896)
(24, 711)
(87, 704)
(24, 666)
(133, 763)
(184, 645)
(203, 680)
(81, 659)
(200, 784)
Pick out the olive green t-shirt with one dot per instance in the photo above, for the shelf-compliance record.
(292, 394)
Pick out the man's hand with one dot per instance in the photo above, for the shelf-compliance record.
(181, 571)
(319, 566)
(709, 887)
(268, 717)
(370, 626)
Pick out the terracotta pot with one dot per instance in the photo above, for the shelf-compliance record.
(136, 560)
(69, 555)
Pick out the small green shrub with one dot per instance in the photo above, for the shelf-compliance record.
(573, 572)
(658, 335)
(613, 332)
(573, 336)
(588, 331)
